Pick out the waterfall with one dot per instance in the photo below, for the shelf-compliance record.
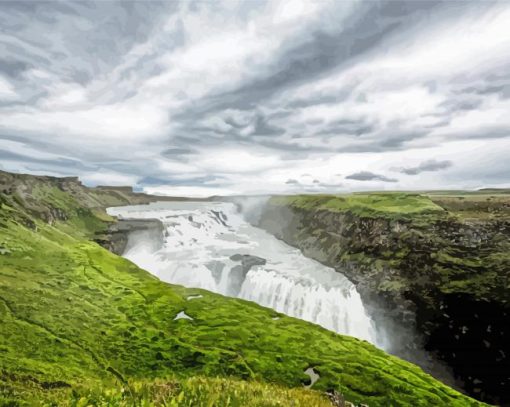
(209, 245)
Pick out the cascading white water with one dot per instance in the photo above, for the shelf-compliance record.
(209, 245)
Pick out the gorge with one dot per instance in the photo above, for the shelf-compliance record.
(79, 322)
(223, 246)
(209, 245)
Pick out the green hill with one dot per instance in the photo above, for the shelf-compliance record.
(82, 326)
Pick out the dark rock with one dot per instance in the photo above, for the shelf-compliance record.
(248, 261)
(238, 273)
(115, 239)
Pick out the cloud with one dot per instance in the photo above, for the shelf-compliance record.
(291, 181)
(369, 176)
(263, 128)
(183, 191)
(216, 97)
(430, 165)
(7, 91)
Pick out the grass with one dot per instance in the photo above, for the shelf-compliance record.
(72, 312)
(82, 326)
(475, 206)
(368, 205)
(173, 392)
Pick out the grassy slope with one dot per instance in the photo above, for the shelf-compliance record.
(190, 392)
(404, 205)
(73, 314)
(392, 205)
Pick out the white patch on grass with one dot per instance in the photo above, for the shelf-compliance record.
(182, 315)
(314, 376)
(192, 297)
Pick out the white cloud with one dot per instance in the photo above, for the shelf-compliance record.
(118, 123)
(235, 161)
(105, 177)
(205, 78)
(7, 91)
(189, 191)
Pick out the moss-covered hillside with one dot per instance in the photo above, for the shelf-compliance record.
(388, 205)
(80, 326)
(438, 262)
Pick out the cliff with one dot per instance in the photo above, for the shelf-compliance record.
(436, 265)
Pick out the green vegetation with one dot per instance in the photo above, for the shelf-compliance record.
(474, 205)
(82, 326)
(393, 204)
(191, 392)
(479, 206)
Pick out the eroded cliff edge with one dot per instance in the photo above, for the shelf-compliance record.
(436, 264)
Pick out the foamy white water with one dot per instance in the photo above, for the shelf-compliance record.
(209, 245)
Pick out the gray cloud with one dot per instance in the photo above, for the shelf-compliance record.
(291, 181)
(486, 131)
(369, 176)
(193, 181)
(324, 51)
(498, 84)
(430, 165)
(346, 126)
(13, 68)
(56, 162)
(313, 101)
(178, 152)
(264, 128)
(69, 33)
(385, 140)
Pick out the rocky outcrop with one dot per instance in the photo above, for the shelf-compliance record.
(115, 239)
(442, 278)
(238, 272)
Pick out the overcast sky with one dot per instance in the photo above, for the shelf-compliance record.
(252, 97)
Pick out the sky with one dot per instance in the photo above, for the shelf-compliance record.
(218, 98)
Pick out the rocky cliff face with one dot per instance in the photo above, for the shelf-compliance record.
(441, 276)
